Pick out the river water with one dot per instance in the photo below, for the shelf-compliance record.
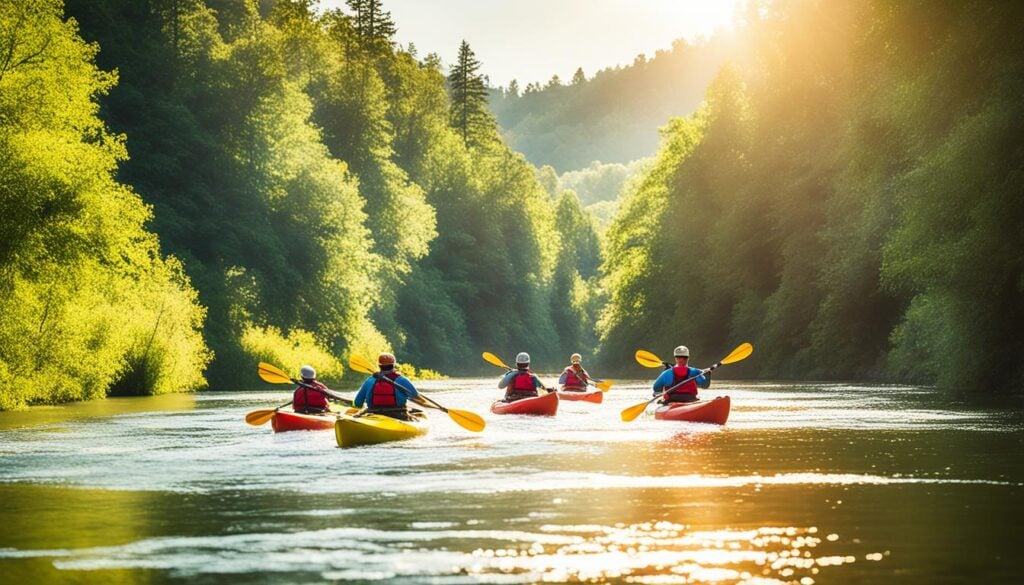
(807, 483)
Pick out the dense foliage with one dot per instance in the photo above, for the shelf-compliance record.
(201, 184)
(89, 305)
(316, 182)
(613, 116)
(848, 198)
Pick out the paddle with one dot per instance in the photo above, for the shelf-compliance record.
(495, 360)
(604, 385)
(465, 419)
(649, 360)
(740, 353)
(275, 375)
(259, 417)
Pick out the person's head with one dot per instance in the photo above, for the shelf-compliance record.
(308, 373)
(386, 361)
(523, 361)
(682, 355)
(575, 359)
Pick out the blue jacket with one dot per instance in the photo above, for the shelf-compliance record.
(401, 394)
(666, 378)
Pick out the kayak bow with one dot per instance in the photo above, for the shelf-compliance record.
(288, 420)
(370, 429)
(543, 405)
(705, 411)
(595, 396)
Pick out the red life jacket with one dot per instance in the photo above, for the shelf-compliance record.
(572, 380)
(680, 373)
(308, 399)
(384, 393)
(521, 385)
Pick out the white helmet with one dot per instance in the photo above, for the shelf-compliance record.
(575, 358)
(523, 358)
(308, 373)
(681, 351)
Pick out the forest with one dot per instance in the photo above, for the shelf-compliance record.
(613, 115)
(189, 187)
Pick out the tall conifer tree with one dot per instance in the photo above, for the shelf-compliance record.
(373, 25)
(469, 96)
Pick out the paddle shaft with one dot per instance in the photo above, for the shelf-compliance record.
(328, 393)
(690, 379)
(359, 363)
(408, 392)
(590, 381)
(282, 406)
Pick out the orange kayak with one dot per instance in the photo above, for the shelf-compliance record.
(595, 396)
(706, 411)
(543, 405)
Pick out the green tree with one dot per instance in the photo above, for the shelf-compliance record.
(469, 115)
(548, 179)
(574, 286)
(89, 301)
(373, 26)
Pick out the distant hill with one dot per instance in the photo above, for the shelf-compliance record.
(613, 116)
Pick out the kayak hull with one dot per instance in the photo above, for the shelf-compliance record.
(704, 411)
(595, 396)
(287, 420)
(543, 405)
(371, 429)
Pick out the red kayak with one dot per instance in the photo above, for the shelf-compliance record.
(287, 420)
(706, 411)
(595, 396)
(543, 405)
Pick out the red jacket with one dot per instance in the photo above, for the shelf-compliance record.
(383, 393)
(309, 399)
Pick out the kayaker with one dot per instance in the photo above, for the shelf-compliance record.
(387, 391)
(574, 378)
(311, 396)
(676, 374)
(521, 382)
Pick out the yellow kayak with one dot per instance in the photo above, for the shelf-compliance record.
(352, 430)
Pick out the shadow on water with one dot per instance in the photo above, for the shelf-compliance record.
(48, 415)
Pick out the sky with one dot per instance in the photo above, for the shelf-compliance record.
(531, 40)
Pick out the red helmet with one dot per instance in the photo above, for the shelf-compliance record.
(386, 359)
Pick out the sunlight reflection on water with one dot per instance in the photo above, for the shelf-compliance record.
(805, 484)
(648, 552)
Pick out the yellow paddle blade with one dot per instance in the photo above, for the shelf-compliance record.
(273, 374)
(467, 420)
(361, 364)
(259, 417)
(634, 411)
(740, 353)
(495, 360)
(647, 359)
(604, 385)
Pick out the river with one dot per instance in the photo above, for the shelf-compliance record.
(807, 483)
